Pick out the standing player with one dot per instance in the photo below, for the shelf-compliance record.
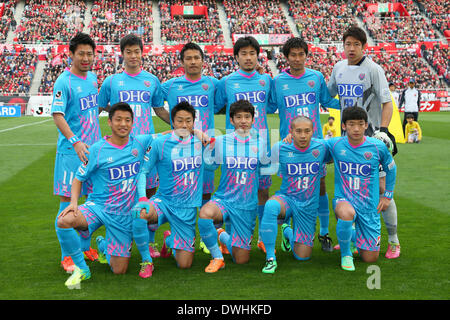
(248, 84)
(357, 199)
(361, 82)
(299, 92)
(75, 113)
(236, 198)
(142, 90)
(300, 166)
(113, 166)
(198, 90)
(178, 160)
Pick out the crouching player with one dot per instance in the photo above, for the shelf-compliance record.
(357, 199)
(300, 164)
(178, 158)
(113, 166)
(236, 199)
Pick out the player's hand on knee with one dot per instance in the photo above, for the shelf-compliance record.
(383, 204)
(71, 208)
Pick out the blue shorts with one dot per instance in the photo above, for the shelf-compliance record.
(119, 233)
(368, 228)
(242, 223)
(208, 181)
(181, 221)
(304, 220)
(152, 179)
(264, 182)
(66, 166)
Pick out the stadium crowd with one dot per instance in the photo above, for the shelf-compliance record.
(438, 11)
(18, 66)
(7, 20)
(199, 30)
(253, 17)
(439, 59)
(111, 20)
(53, 21)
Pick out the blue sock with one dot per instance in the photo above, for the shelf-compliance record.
(140, 235)
(344, 236)
(353, 234)
(226, 239)
(209, 236)
(62, 206)
(70, 242)
(101, 245)
(324, 214)
(269, 228)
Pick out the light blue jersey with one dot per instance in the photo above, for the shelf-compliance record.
(253, 87)
(199, 94)
(301, 96)
(356, 176)
(241, 161)
(113, 171)
(179, 164)
(300, 170)
(141, 91)
(76, 98)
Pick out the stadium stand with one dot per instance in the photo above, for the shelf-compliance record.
(439, 59)
(199, 28)
(18, 65)
(7, 20)
(50, 21)
(111, 20)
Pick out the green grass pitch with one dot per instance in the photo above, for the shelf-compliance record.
(29, 252)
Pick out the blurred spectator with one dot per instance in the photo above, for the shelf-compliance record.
(438, 11)
(439, 59)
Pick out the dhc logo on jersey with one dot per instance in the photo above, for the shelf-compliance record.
(356, 169)
(134, 96)
(305, 168)
(195, 100)
(125, 171)
(241, 163)
(188, 163)
(252, 96)
(89, 102)
(297, 100)
(350, 90)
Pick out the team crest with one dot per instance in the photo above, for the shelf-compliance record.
(262, 83)
(148, 149)
(362, 76)
(205, 86)
(315, 153)
(368, 155)
(311, 83)
(135, 152)
(147, 83)
(58, 94)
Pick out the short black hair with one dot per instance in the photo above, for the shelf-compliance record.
(183, 105)
(354, 113)
(120, 106)
(131, 40)
(245, 42)
(296, 43)
(191, 46)
(330, 118)
(357, 33)
(409, 115)
(241, 106)
(81, 38)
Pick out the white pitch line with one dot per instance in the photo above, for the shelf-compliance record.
(27, 144)
(25, 125)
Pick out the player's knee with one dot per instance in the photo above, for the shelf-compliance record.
(369, 256)
(65, 222)
(119, 269)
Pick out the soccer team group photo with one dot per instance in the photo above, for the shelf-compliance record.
(203, 165)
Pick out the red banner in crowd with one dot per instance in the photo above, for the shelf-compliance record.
(188, 11)
(2, 9)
